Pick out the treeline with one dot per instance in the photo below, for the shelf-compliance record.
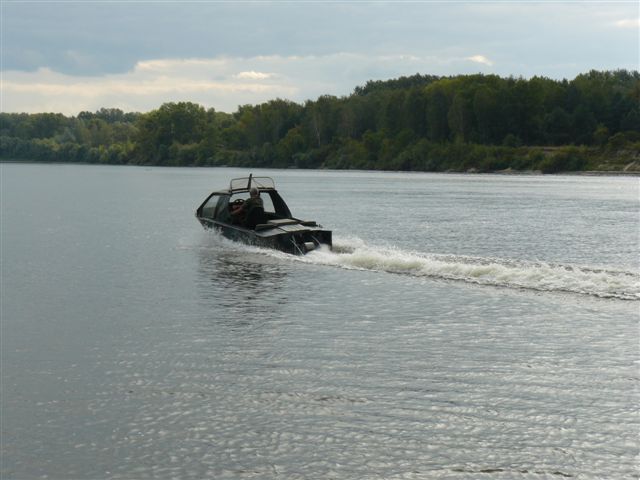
(422, 122)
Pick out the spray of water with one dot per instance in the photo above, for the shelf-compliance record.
(540, 276)
(354, 253)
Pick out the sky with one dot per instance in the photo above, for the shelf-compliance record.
(73, 56)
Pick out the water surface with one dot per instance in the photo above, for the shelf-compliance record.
(465, 327)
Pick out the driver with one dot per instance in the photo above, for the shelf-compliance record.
(238, 212)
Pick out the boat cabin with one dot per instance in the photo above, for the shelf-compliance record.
(219, 205)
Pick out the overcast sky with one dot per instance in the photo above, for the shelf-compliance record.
(70, 56)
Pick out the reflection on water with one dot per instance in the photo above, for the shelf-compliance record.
(240, 286)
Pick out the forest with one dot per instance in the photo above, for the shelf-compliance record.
(464, 123)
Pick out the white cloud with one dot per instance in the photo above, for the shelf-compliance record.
(210, 83)
(480, 59)
(253, 75)
(628, 23)
(222, 82)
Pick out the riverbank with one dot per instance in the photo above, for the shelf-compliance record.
(508, 171)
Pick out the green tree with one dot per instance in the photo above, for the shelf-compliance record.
(486, 109)
(436, 113)
(460, 118)
(416, 111)
(44, 125)
(321, 119)
(293, 143)
(558, 124)
(181, 123)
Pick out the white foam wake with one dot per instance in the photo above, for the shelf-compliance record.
(354, 253)
(540, 276)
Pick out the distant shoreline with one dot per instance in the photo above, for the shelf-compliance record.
(585, 173)
(524, 173)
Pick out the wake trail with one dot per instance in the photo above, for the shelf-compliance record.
(510, 273)
(355, 254)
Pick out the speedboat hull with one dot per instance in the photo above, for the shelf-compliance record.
(293, 237)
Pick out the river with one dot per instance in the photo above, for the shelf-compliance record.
(463, 327)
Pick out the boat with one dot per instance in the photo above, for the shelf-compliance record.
(271, 225)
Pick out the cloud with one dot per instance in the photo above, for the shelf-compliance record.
(223, 83)
(253, 75)
(141, 90)
(480, 59)
(226, 82)
(112, 37)
(628, 23)
(74, 56)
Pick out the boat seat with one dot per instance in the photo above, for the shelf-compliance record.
(255, 216)
(283, 221)
(263, 226)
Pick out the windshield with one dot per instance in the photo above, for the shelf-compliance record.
(258, 182)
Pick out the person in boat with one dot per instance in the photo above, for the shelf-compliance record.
(239, 212)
